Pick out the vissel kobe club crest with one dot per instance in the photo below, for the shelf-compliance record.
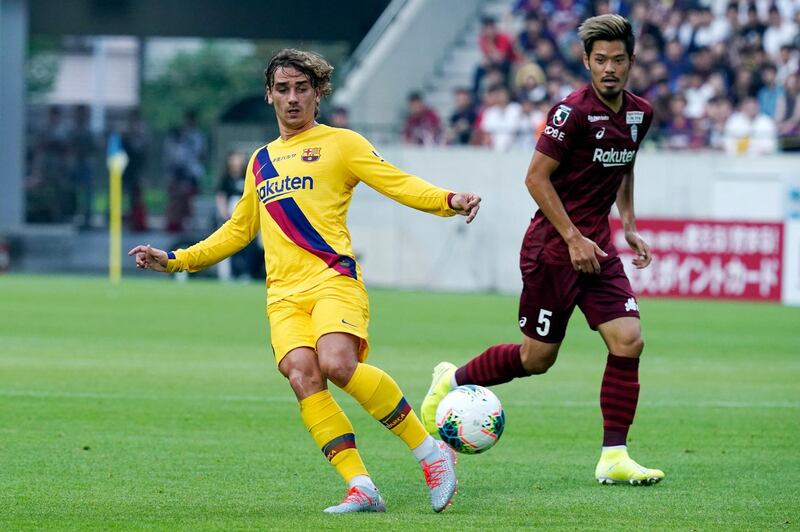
(311, 154)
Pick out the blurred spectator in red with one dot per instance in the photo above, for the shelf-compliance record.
(136, 142)
(462, 119)
(750, 132)
(497, 49)
(422, 123)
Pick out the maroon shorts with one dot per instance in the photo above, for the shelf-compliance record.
(551, 291)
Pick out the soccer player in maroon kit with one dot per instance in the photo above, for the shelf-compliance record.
(582, 164)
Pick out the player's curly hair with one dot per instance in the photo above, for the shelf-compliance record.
(311, 64)
(606, 28)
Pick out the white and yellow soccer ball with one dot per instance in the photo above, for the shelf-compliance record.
(470, 419)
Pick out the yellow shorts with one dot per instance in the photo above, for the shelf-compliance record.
(338, 304)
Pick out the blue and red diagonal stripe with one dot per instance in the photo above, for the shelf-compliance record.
(295, 225)
(263, 168)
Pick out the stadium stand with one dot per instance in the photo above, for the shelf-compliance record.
(699, 62)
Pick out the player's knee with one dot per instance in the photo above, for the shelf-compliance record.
(536, 362)
(305, 381)
(337, 369)
(630, 345)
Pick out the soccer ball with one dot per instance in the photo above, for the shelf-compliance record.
(470, 419)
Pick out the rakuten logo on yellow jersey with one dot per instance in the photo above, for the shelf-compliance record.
(276, 187)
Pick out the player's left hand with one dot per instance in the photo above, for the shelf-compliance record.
(642, 249)
(466, 204)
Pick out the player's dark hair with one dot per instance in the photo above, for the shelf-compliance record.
(315, 67)
(606, 28)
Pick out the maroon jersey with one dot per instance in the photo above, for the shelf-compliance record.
(596, 147)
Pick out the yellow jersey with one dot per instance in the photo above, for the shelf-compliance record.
(297, 193)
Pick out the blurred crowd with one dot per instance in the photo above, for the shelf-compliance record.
(720, 74)
(66, 178)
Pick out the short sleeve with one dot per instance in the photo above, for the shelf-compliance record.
(562, 130)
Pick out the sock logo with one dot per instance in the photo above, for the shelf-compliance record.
(398, 415)
(337, 445)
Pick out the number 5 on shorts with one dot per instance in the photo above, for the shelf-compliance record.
(544, 322)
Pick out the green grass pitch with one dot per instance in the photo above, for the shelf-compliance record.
(157, 405)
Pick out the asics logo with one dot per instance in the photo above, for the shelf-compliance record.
(599, 134)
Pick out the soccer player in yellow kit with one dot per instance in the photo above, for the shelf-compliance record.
(297, 192)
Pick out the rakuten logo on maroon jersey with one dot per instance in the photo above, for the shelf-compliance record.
(613, 157)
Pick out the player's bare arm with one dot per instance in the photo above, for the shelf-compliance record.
(149, 258)
(466, 204)
(583, 252)
(628, 218)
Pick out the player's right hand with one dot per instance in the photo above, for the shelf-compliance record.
(583, 253)
(149, 258)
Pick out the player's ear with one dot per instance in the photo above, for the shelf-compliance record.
(586, 60)
(268, 96)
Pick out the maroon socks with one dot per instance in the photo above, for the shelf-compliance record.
(619, 394)
(498, 364)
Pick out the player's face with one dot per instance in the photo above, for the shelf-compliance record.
(609, 65)
(294, 99)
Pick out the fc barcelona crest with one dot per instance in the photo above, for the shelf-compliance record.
(311, 154)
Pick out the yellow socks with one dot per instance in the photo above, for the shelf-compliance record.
(332, 433)
(380, 395)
